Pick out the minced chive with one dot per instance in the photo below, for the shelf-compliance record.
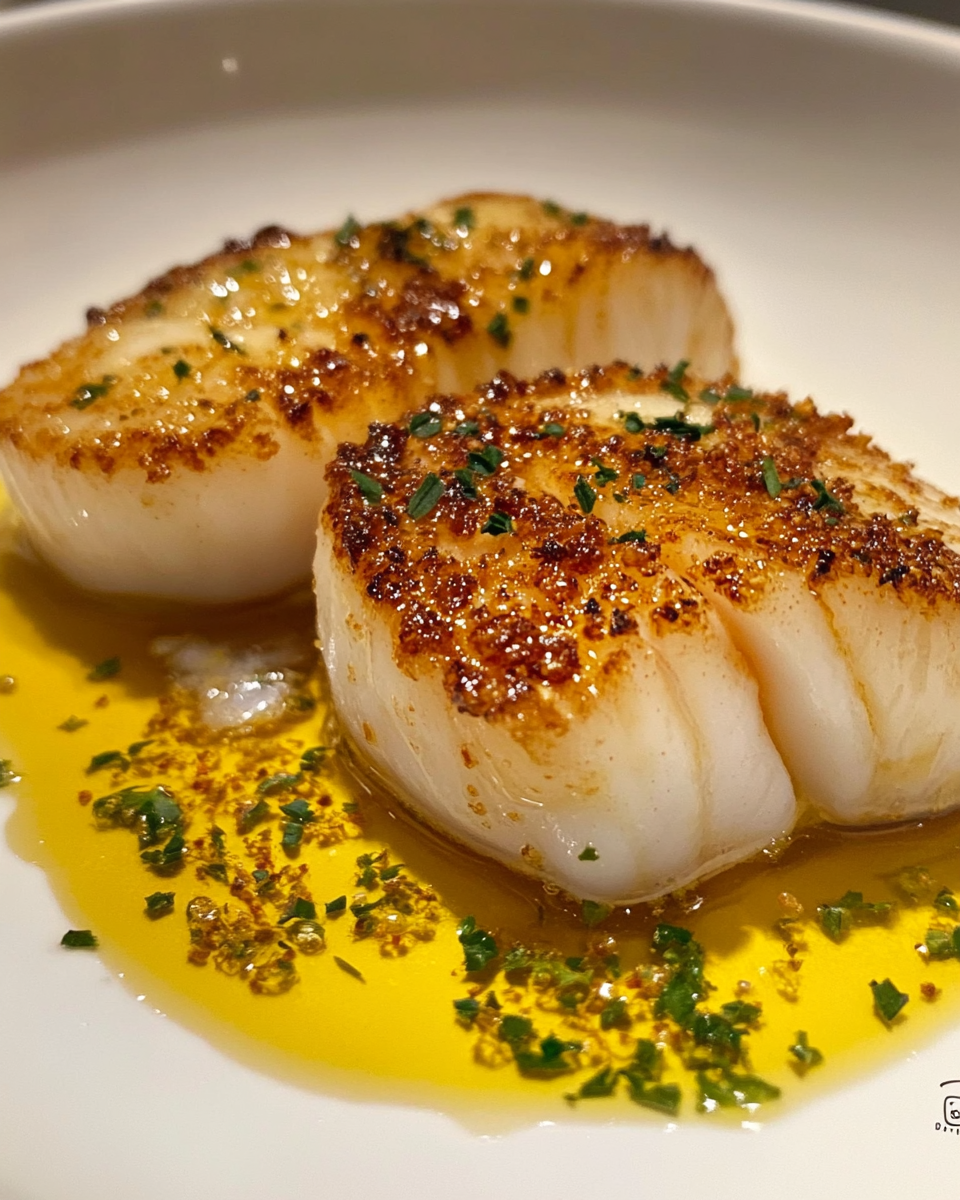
(389, 873)
(805, 1054)
(181, 369)
(159, 903)
(632, 535)
(86, 393)
(520, 304)
(499, 330)
(755, 421)
(593, 913)
(603, 475)
(370, 489)
(300, 910)
(347, 231)
(826, 499)
(771, 479)
(588, 854)
(485, 461)
(888, 998)
(551, 429)
(135, 747)
(498, 523)
(424, 499)
(222, 340)
(735, 392)
(709, 396)
(464, 218)
(425, 424)
(465, 477)
(586, 496)
(281, 782)
(107, 758)
(348, 968)
(77, 938)
(105, 670)
(673, 383)
(312, 760)
(479, 946)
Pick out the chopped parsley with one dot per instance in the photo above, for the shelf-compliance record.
(588, 854)
(724, 1089)
(76, 939)
(499, 330)
(86, 393)
(579, 218)
(888, 999)
(467, 1009)
(498, 523)
(107, 758)
(252, 816)
(467, 429)
(638, 481)
(479, 947)
(633, 423)
(586, 496)
(551, 429)
(520, 304)
(464, 476)
(424, 500)
(425, 424)
(371, 489)
(551, 208)
(333, 907)
(104, 670)
(181, 369)
(464, 218)
(632, 535)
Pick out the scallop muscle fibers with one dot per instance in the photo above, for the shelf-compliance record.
(177, 448)
(621, 631)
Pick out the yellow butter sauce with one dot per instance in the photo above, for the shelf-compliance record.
(393, 1032)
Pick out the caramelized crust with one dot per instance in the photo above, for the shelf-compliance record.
(522, 598)
(268, 338)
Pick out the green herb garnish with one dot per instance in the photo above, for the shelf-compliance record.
(105, 670)
(424, 500)
(485, 461)
(838, 917)
(498, 523)
(464, 218)
(425, 424)
(76, 939)
(72, 724)
(673, 383)
(371, 489)
(338, 905)
(499, 330)
(467, 1009)
(520, 304)
(888, 999)
(771, 479)
(807, 1056)
(479, 947)
(300, 910)
(586, 496)
(347, 231)
(593, 913)
(86, 393)
(222, 340)
(632, 535)
(181, 369)
(588, 854)
(159, 903)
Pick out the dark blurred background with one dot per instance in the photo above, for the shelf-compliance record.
(934, 10)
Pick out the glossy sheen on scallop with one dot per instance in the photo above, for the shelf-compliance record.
(646, 627)
(177, 448)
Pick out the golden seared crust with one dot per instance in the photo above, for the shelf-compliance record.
(555, 536)
(267, 338)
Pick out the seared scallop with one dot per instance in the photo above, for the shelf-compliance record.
(619, 631)
(177, 448)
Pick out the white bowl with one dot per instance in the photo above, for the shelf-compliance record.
(811, 152)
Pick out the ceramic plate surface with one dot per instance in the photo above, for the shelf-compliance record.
(811, 153)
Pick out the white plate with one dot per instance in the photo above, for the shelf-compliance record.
(811, 153)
